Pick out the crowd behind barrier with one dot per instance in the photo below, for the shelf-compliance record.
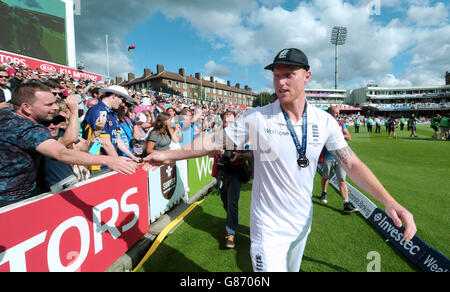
(84, 225)
(88, 232)
(135, 121)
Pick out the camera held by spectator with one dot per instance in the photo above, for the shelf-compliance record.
(221, 164)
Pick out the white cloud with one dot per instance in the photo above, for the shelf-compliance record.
(253, 34)
(389, 80)
(213, 69)
(370, 48)
(265, 89)
(119, 64)
(116, 20)
(427, 16)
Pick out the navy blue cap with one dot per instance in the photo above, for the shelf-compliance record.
(291, 56)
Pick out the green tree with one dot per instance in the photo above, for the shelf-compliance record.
(262, 98)
(199, 92)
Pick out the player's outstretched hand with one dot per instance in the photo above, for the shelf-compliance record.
(122, 165)
(399, 214)
(155, 160)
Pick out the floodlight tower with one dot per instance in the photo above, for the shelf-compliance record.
(107, 56)
(338, 37)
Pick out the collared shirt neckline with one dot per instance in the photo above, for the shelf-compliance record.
(278, 114)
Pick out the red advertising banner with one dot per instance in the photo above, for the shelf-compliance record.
(46, 67)
(84, 229)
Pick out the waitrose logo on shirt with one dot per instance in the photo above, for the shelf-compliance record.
(275, 132)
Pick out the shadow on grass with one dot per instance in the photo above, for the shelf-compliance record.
(215, 226)
(332, 266)
(316, 201)
(168, 259)
(418, 139)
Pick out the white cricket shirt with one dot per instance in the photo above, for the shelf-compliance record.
(282, 191)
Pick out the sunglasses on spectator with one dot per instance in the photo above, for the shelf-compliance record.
(58, 93)
(55, 121)
(4, 76)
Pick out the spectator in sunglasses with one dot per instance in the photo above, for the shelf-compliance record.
(51, 171)
(68, 109)
(56, 89)
(54, 124)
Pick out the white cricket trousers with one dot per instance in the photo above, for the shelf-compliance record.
(280, 254)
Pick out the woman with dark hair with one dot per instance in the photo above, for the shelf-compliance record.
(162, 134)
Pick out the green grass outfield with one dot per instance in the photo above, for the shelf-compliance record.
(414, 171)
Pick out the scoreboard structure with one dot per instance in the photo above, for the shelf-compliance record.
(40, 29)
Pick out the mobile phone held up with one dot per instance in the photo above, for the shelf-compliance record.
(95, 148)
(102, 115)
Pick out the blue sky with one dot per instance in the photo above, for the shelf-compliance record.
(183, 49)
(393, 43)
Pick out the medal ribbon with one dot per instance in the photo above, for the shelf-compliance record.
(301, 149)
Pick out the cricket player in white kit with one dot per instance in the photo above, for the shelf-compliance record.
(288, 136)
(281, 210)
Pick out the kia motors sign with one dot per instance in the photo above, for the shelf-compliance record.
(86, 228)
(46, 67)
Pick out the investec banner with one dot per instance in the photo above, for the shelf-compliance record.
(46, 67)
(416, 250)
(86, 228)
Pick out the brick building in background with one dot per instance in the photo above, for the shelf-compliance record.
(190, 86)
